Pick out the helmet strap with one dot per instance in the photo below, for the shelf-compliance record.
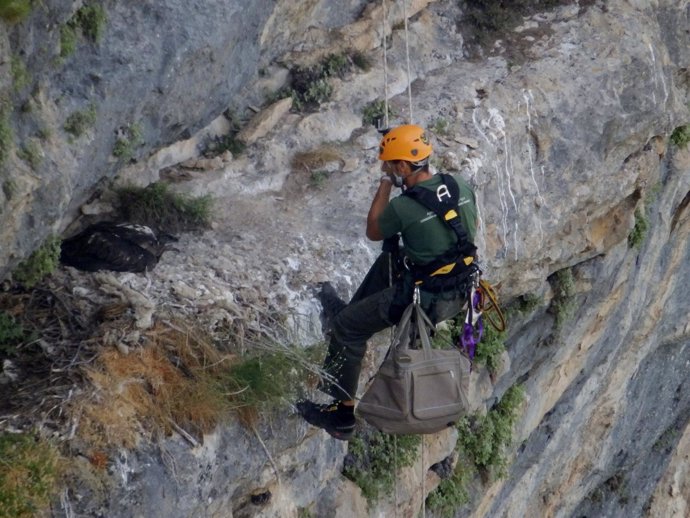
(420, 164)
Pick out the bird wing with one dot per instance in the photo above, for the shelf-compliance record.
(103, 250)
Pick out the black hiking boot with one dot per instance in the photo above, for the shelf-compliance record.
(337, 419)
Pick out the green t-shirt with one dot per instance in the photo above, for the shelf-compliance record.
(424, 235)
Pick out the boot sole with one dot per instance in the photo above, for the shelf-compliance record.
(341, 436)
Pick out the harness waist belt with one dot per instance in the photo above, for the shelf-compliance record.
(442, 268)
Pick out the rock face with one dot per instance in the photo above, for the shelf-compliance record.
(563, 127)
(161, 69)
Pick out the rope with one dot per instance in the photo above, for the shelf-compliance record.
(423, 483)
(395, 467)
(384, 25)
(390, 262)
(407, 55)
(385, 67)
(489, 305)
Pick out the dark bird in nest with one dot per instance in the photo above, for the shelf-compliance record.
(120, 247)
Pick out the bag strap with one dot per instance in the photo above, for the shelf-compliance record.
(423, 325)
(413, 318)
(402, 333)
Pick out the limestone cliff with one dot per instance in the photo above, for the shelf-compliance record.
(562, 125)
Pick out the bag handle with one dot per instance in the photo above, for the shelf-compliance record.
(401, 339)
(413, 315)
(423, 325)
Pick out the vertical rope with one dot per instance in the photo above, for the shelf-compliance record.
(423, 482)
(384, 25)
(407, 55)
(395, 467)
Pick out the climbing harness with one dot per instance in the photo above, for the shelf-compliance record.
(458, 265)
(444, 203)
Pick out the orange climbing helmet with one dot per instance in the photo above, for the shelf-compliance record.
(407, 142)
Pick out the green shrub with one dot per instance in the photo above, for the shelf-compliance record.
(563, 303)
(228, 142)
(446, 334)
(317, 179)
(28, 476)
(484, 438)
(91, 19)
(158, 206)
(523, 305)
(440, 126)
(374, 113)
(31, 153)
(13, 11)
(272, 376)
(266, 381)
(360, 60)
(68, 40)
(9, 188)
(305, 512)
(220, 145)
(316, 93)
(639, 231)
(490, 349)
(20, 76)
(6, 135)
(451, 493)
(44, 133)
(681, 136)
(488, 20)
(80, 121)
(11, 334)
(310, 86)
(372, 457)
(39, 264)
(491, 17)
(127, 142)
(481, 446)
(666, 440)
(336, 65)
(528, 302)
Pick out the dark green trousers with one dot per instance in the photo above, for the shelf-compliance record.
(367, 313)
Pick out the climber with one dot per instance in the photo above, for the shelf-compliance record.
(437, 257)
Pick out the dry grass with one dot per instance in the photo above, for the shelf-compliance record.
(309, 161)
(172, 383)
(88, 374)
(309, 168)
(28, 475)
